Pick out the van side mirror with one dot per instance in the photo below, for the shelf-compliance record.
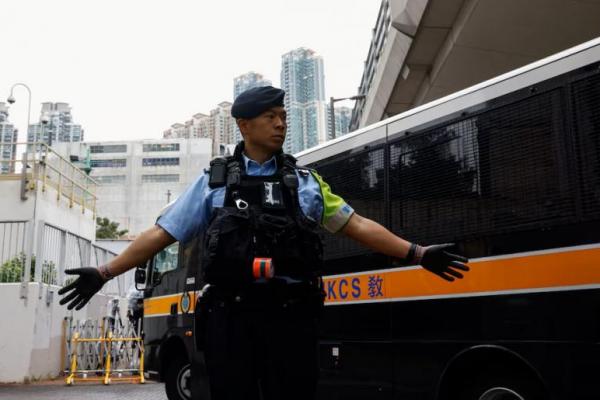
(140, 277)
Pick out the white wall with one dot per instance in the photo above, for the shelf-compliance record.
(31, 335)
(48, 209)
(16, 335)
(31, 331)
(12, 208)
(59, 214)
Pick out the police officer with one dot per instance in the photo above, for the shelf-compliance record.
(258, 213)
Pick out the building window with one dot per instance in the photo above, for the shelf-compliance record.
(161, 147)
(109, 148)
(114, 163)
(157, 161)
(160, 178)
(110, 179)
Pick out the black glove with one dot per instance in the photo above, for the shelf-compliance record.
(85, 286)
(437, 260)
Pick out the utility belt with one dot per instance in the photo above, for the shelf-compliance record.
(301, 299)
(273, 294)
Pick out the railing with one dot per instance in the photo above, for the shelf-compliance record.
(56, 250)
(41, 165)
(12, 250)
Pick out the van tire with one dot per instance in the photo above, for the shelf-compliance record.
(177, 379)
(498, 386)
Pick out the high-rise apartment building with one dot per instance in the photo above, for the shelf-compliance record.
(177, 130)
(202, 126)
(223, 125)
(8, 136)
(247, 81)
(242, 83)
(59, 127)
(303, 80)
(343, 115)
(218, 126)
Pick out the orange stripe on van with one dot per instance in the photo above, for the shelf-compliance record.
(162, 305)
(530, 272)
(537, 272)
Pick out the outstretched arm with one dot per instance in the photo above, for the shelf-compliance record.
(90, 280)
(140, 250)
(179, 221)
(374, 236)
(433, 258)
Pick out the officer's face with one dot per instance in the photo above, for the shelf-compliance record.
(267, 130)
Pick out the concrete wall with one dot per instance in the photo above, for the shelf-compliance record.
(12, 208)
(48, 209)
(31, 337)
(32, 333)
(59, 214)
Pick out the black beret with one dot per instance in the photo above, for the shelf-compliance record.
(255, 101)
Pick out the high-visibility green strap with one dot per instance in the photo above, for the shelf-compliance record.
(336, 212)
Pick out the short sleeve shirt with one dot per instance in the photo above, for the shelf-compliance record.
(190, 214)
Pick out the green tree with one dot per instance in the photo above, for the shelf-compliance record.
(107, 229)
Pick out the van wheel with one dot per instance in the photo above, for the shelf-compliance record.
(178, 379)
(500, 387)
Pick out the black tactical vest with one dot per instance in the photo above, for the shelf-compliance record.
(260, 218)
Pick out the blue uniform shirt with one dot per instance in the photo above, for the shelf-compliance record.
(190, 214)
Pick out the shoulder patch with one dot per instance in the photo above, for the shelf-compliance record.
(304, 172)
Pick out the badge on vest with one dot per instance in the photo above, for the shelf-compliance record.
(271, 195)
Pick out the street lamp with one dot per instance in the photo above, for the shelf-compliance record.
(11, 100)
(332, 109)
(45, 119)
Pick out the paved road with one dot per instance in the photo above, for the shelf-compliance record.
(84, 391)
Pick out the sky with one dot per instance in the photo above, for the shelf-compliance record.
(131, 68)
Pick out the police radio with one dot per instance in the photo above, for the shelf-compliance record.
(218, 173)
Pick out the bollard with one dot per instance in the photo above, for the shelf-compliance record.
(107, 375)
(71, 377)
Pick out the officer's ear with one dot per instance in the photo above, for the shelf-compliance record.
(242, 123)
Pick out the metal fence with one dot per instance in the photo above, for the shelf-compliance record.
(116, 286)
(41, 166)
(56, 250)
(12, 250)
(104, 350)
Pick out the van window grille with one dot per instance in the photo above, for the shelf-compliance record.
(586, 104)
(359, 180)
(500, 170)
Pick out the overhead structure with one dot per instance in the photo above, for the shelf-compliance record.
(425, 49)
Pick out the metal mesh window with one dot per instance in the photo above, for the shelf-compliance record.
(586, 103)
(359, 180)
(501, 170)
